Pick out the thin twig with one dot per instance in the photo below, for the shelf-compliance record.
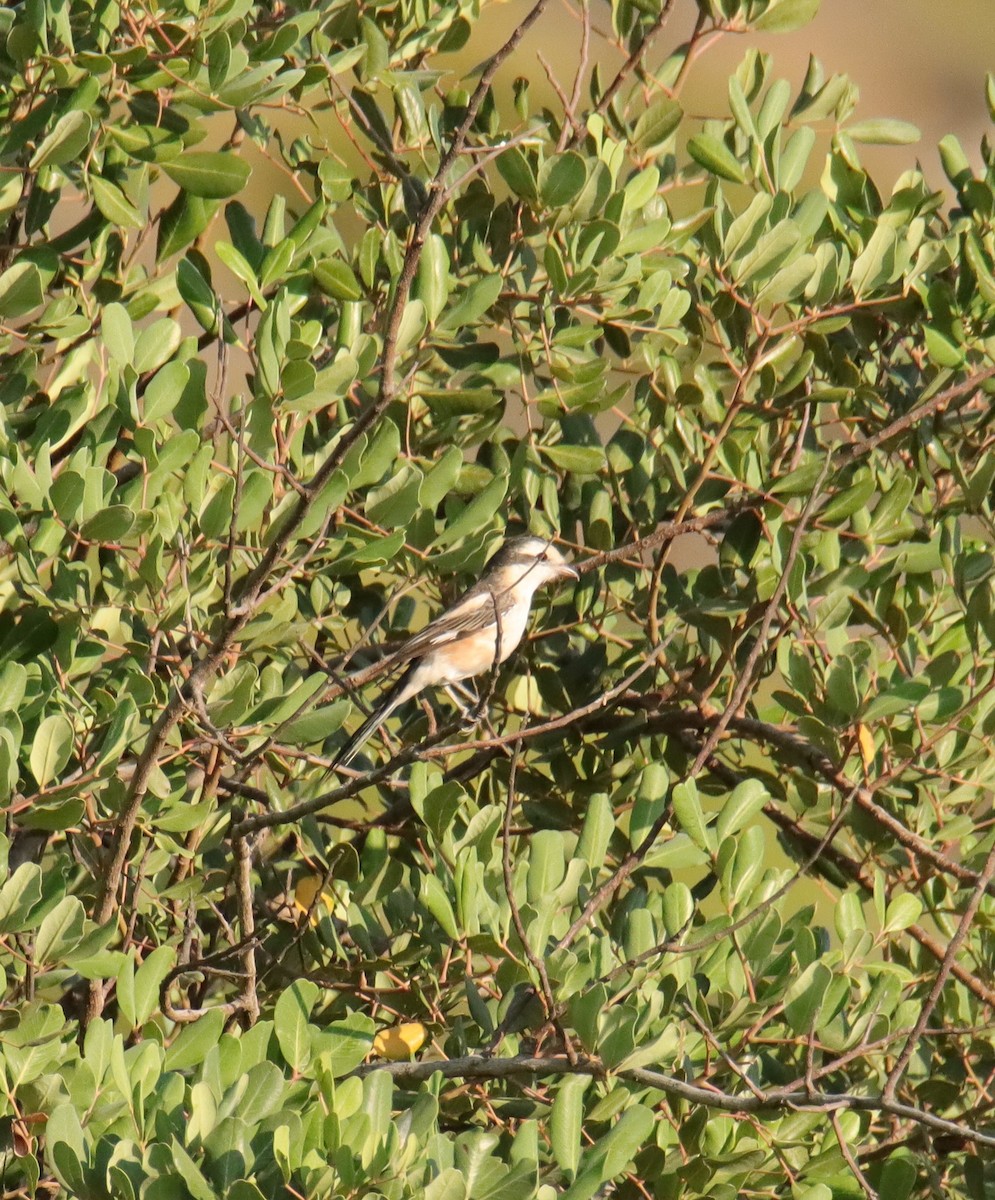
(759, 648)
(634, 59)
(636, 856)
(851, 1162)
(941, 978)
(243, 888)
(546, 992)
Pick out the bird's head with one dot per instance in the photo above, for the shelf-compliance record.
(531, 560)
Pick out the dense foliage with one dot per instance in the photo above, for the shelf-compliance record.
(295, 323)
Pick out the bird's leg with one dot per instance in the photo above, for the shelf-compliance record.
(470, 713)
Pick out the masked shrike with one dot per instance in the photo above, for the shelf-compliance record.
(479, 631)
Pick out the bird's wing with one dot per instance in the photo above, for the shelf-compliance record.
(474, 611)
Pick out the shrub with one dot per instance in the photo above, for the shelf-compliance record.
(702, 905)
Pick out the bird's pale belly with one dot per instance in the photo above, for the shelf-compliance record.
(475, 653)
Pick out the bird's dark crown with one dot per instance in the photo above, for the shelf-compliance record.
(523, 549)
(526, 550)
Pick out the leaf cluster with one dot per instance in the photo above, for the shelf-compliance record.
(296, 323)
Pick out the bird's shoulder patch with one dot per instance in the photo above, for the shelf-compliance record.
(473, 612)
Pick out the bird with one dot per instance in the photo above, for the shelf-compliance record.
(477, 632)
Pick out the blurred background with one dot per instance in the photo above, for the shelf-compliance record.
(917, 60)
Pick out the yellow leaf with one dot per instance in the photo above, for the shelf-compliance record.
(401, 1042)
(865, 740)
(304, 896)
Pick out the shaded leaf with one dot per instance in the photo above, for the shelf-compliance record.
(210, 175)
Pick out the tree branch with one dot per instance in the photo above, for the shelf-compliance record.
(479, 1067)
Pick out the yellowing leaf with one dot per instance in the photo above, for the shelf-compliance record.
(305, 894)
(865, 740)
(400, 1043)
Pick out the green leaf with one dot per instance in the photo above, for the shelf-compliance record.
(13, 681)
(60, 931)
(18, 896)
(803, 999)
(624, 1140)
(125, 989)
(193, 1178)
(433, 284)
(241, 268)
(769, 253)
(794, 158)
(276, 264)
(783, 16)
(715, 156)
(581, 460)
(433, 896)
(943, 350)
(904, 910)
(447, 1185)
(747, 800)
(367, 463)
(849, 915)
(394, 503)
(459, 402)
(477, 513)
(566, 1122)
(438, 482)
(474, 302)
(20, 290)
(884, 132)
(61, 815)
(311, 728)
(678, 908)
(342, 1045)
(980, 264)
(875, 264)
(412, 327)
(148, 980)
(64, 1136)
(118, 333)
(561, 179)
(109, 525)
(335, 278)
(183, 221)
(114, 205)
(290, 1022)
(51, 748)
(687, 809)
(898, 1177)
(212, 175)
(655, 125)
(198, 294)
(515, 169)
(851, 500)
(599, 825)
(164, 390)
(798, 482)
(69, 137)
(190, 1046)
(156, 344)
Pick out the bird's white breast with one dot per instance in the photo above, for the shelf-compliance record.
(466, 655)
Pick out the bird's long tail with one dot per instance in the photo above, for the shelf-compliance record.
(391, 699)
